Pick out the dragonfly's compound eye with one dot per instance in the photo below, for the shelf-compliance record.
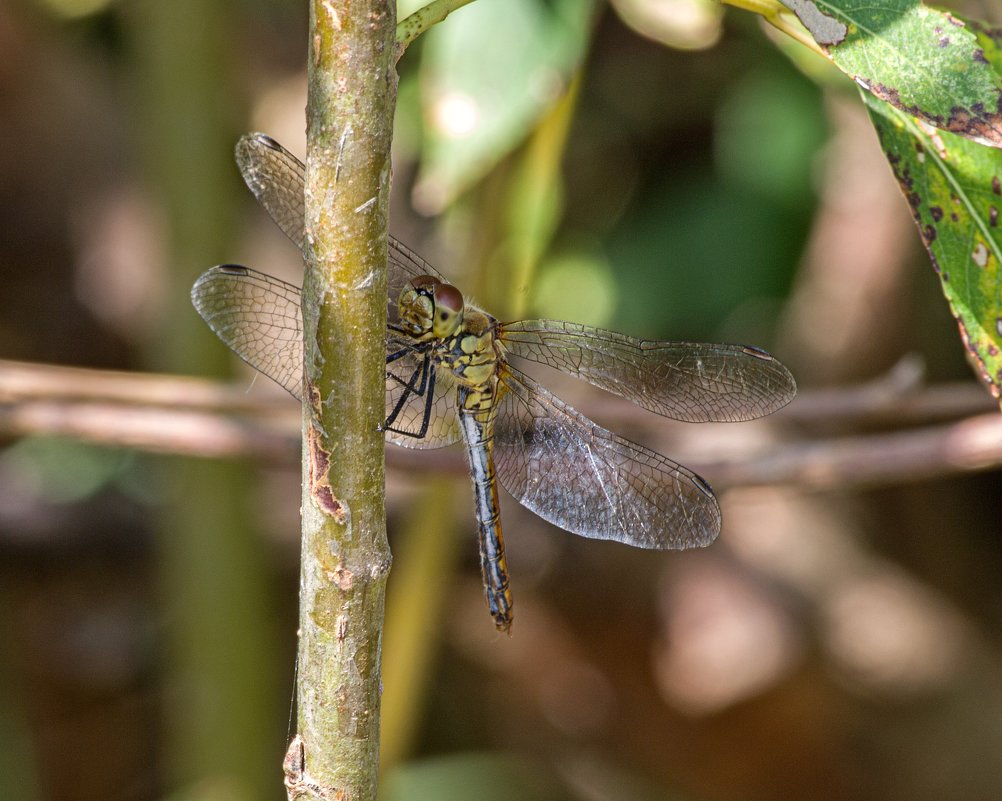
(448, 310)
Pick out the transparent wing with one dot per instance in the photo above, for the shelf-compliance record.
(688, 381)
(259, 318)
(277, 179)
(591, 482)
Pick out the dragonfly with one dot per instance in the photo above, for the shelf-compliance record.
(450, 378)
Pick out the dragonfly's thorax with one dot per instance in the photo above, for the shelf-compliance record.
(471, 354)
(429, 309)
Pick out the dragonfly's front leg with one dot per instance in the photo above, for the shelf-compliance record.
(420, 384)
(421, 373)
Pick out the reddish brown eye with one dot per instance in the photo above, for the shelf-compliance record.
(448, 298)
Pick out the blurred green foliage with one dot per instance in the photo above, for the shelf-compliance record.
(485, 777)
(727, 226)
(62, 470)
(486, 79)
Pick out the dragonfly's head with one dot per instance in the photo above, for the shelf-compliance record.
(430, 309)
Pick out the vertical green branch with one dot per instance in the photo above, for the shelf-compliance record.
(345, 558)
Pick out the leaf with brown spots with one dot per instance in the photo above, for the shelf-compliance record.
(928, 63)
(954, 189)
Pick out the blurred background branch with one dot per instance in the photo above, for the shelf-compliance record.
(197, 417)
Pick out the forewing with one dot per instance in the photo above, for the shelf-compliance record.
(689, 381)
(591, 482)
(258, 317)
(277, 179)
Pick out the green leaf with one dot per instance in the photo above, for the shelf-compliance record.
(487, 76)
(928, 63)
(954, 189)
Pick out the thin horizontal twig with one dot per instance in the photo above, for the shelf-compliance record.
(34, 380)
(198, 417)
(180, 431)
(897, 397)
(970, 445)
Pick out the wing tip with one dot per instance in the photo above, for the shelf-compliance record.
(209, 275)
(256, 138)
(230, 269)
(784, 388)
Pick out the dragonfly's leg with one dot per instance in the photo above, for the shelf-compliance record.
(429, 397)
(399, 354)
(421, 373)
(405, 393)
(426, 390)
